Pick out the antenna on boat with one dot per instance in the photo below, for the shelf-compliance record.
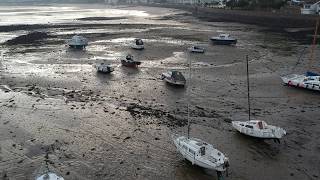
(248, 85)
(188, 96)
(314, 43)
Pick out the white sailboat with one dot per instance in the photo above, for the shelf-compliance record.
(199, 152)
(309, 80)
(257, 128)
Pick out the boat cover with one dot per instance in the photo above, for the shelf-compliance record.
(309, 73)
(177, 76)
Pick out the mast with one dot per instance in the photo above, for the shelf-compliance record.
(313, 44)
(248, 86)
(188, 96)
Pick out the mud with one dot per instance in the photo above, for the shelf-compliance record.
(29, 38)
(55, 107)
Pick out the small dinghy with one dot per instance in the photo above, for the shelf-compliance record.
(174, 78)
(104, 68)
(259, 129)
(77, 42)
(309, 80)
(138, 44)
(201, 153)
(130, 62)
(224, 39)
(196, 49)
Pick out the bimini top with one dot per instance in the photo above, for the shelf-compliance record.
(78, 41)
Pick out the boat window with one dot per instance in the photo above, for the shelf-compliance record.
(248, 126)
(241, 125)
(190, 150)
(202, 151)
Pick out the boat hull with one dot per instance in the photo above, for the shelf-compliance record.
(276, 133)
(137, 47)
(77, 46)
(130, 64)
(296, 80)
(223, 41)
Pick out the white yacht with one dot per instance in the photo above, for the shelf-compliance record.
(201, 153)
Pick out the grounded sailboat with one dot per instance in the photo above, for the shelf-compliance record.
(199, 152)
(257, 128)
(309, 80)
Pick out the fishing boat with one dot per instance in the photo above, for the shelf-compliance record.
(224, 39)
(77, 42)
(257, 128)
(138, 44)
(196, 49)
(197, 151)
(309, 80)
(174, 78)
(130, 62)
(104, 68)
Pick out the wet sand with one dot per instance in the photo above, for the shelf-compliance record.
(118, 126)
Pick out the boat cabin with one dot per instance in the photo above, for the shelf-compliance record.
(224, 36)
(129, 57)
(257, 124)
(177, 75)
(139, 41)
(193, 146)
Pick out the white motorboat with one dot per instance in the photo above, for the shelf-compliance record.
(224, 39)
(308, 81)
(196, 49)
(138, 44)
(174, 78)
(197, 151)
(77, 42)
(104, 68)
(201, 153)
(259, 129)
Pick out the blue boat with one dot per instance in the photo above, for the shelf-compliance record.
(223, 39)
